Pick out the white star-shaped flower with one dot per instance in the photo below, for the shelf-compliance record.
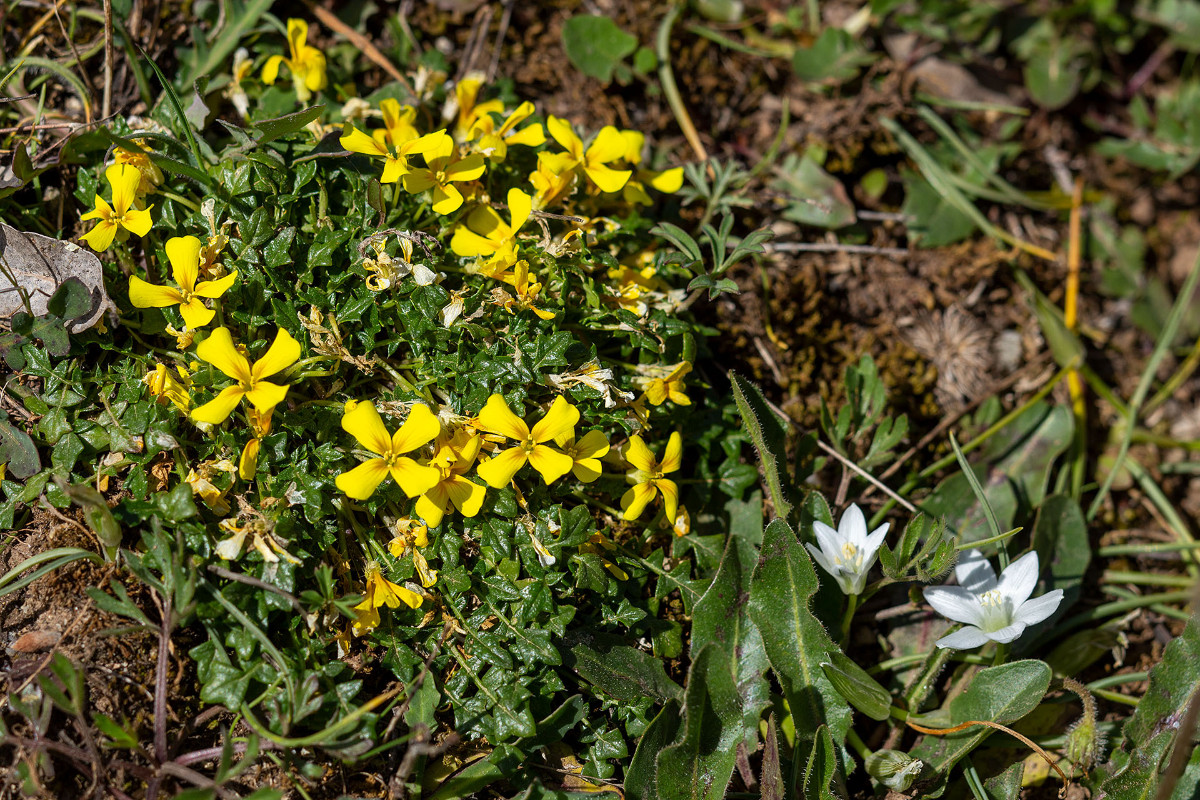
(848, 553)
(992, 609)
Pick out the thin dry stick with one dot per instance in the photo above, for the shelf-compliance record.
(996, 725)
(505, 18)
(87, 107)
(834, 247)
(106, 103)
(329, 20)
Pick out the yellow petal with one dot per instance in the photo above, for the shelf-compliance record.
(271, 72)
(656, 392)
(550, 463)
(496, 417)
(468, 244)
(361, 482)
(673, 458)
(609, 180)
(587, 470)
(410, 599)
(446, 199)
(499, 470)
(594, 444)
(561, 130)
(248, 463)
(431, 506)
(282, 353)
(634, 142)
(393, 169)
(668, 181)
(147, 295)
(670, 493)
(559, 421)
(432, 145)
(362, 422)
(102, 210)
(418, 180)
(217, 410)
(639, 456)
(315, 78)
(219, 351)
(609, 145)
(357, 141)
(520, 205)
(266, 395)
(138, 220)
(413, 478)
(634, 501)
(529, 136)
(100, 238)
(420, 428)
(297, 34)
(466, 169)
(196, 314)
(184, 254)
(466, 495)
(124, 180)
(214, 289)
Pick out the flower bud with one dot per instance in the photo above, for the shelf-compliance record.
(894, 769)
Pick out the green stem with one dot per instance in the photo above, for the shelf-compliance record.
(1001, 655)
(920, 688)
(848, 617)
(662, 48)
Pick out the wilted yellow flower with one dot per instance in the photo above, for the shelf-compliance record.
(150, 175)
(167, 387)
(380, 592)
(670, 386)
(527, 289)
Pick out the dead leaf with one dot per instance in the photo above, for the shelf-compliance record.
(33, 267)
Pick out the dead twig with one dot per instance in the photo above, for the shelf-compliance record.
(330, 20)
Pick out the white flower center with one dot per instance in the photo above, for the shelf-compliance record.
(851, 559)
(997, 611)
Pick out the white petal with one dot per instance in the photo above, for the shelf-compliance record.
(820, 558)
(974, 572)
(828, 538)
(956, 603)
(853, 526)
(1007, 633)
(1034, 611)
(871, 545)
(963, 640)
(1019, 578)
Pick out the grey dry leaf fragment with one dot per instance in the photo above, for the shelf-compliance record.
(33, 267)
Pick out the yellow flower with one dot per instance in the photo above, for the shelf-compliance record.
(150, 176)
(585, 453)
(260, 426)
(395, 155)
(307, 63)
(362, 421)
(121, 216)
(219, 351)
(658, 390)
(647, 477)
(560, 420)
(380, 592)
(466, 94)
(452, 458)
(608, 146)
(553, 179)
(199, 478)
(184, 255)
(442, 171)
(494, 142)
(486, 236)
(527, 288)
(167, 387)
(668, 181)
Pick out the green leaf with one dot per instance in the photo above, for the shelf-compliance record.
(1053, 74)
(1153, 731)
(97, 514)
(1061, 539)
(624, 673)
(821, 768)
(767, 433)
(721, 620)
(641, 779)
(699, 767)
(119, 738)
(596, 45)
(19, 451)
(833, 56)
(271, 129)
(859, 688)
(819, 199)
(933, 218)
(1001, 694)
(781, 590)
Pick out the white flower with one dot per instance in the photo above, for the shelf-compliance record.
(996, 610)
(848, 553)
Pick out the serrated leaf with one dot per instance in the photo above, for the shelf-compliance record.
(781, 590)
(18, 451)
(623, 672)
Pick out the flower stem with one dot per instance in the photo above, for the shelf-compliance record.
(851, 607)
(1001, 655)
